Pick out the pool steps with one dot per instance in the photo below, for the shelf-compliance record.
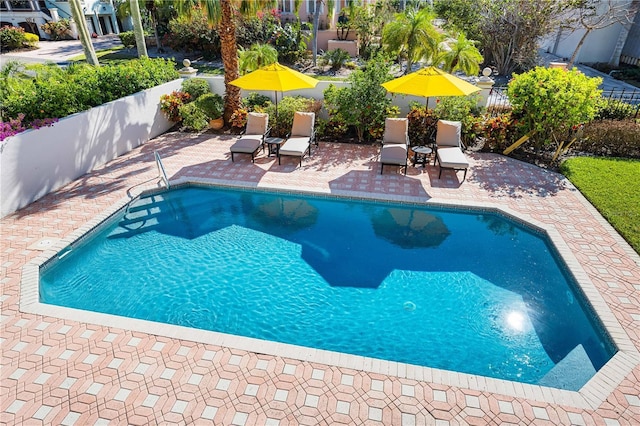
(572, 372)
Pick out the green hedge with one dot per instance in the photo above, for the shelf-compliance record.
(56, 92)
(15, 38)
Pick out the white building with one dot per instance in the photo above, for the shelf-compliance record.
(613, 44)
(31, 14)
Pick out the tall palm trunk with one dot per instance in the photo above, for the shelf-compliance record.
(137, 29)
(229, 52)
(83, 32)
(316, 21)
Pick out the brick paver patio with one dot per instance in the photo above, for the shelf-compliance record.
(61, 371)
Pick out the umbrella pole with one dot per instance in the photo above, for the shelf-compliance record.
(276, 93)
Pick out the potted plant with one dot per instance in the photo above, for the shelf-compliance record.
(213, 106)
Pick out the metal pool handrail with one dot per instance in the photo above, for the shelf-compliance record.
(161, 172)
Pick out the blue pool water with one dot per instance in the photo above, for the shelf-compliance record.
(459, 290)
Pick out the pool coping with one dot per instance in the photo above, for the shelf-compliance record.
(590, 396)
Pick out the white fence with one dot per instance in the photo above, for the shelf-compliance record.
(403, 101)
(36, 162)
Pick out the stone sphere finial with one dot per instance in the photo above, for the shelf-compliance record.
(186, 63)
(487, 72)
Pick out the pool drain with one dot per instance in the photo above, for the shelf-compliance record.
(409, 306)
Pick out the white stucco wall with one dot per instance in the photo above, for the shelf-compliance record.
(598, 46)
(36, 162)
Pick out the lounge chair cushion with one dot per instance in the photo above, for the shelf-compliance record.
(295, 146)
(257, 123)
(394, 153)
(395, 130)
(246, 145)
(254, 137)
(449, 133)
(303, 124)
(452, 158)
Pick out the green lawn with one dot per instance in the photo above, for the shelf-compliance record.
(613, 186)
(119, 54)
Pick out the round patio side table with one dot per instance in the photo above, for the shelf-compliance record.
(273, 146)
(421, 155)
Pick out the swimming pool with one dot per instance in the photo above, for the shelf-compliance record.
(467, 291)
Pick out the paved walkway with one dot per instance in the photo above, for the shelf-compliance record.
(57, 371)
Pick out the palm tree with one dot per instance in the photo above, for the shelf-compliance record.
(153, 7)
(412, 36)
(257, 56)
(460, 54)
(138, 31)
(220, 13)
(83, 33)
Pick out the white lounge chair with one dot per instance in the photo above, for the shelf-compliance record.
(302, 135)
(449, 147)
(395, 143)
(253, 138)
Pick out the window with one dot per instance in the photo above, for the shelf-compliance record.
(285, 6)
(21, 5)
(311, 7)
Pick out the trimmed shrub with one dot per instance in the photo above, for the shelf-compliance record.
(613, 138)
(193, 35)
(257, 29)
(551, 100)
(291, 43)
(614, 109)
(364, 103)
(12, 38)
(56, 92)
(128, 39)
(255, 100)
(195, 87)
(31, 40)
(193, 118)
(333, 129)
(212, 104)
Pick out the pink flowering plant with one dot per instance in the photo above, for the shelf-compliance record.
(16, 125)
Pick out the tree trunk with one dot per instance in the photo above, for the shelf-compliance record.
(83, 33)
(153, 13)
(316, 21)
(578, 47)
(137, 29)
(229, 52)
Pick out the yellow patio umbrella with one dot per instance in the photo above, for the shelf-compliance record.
(275, 77)
(428, 82)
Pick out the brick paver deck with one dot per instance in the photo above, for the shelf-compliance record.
(61, 371)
